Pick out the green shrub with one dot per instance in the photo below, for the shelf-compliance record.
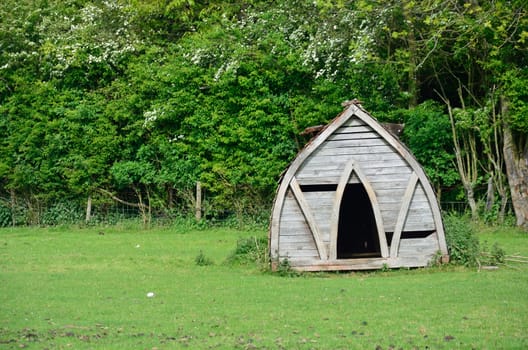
(252, 250)
(462, 243)
(494, 256)
(464, 247)
(62, 213)
(6, 218)
(284, 269)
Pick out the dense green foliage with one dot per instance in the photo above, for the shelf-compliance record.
(139, 100)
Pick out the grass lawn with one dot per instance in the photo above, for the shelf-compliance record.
(71, 288)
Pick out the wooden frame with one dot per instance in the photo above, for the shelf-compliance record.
(350, 168)
(347, 151)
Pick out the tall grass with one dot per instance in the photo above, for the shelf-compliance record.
(63, 288)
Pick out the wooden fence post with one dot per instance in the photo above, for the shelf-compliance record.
(88, 209)
(198, 203)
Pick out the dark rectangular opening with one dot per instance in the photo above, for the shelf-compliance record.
(357, 235)
(319, 188)
(416, 234)
(408, 234)
(388, 236)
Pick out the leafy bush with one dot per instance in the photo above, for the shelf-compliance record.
(5, 216)
(62, 213)
(250, 250)
(463, 245)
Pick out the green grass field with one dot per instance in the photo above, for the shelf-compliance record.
(71, 288)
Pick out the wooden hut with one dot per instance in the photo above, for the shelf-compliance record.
(355, 198)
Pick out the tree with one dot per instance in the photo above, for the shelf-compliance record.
(427, 133)
(514, 111)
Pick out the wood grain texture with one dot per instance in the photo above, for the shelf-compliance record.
(402, 215)
(350, 168)
(307, 212)
(356, 147)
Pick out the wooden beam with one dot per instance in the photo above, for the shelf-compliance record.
(352, 117)
(305, 208)
(407, 155)
(198, 202)
(351, 167)
(402, 216)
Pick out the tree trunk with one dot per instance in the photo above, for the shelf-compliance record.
(170, 197)
(470, 193)
(490, 194)
(516, 160)
(412, 80)
(504, 204)
(466, 165)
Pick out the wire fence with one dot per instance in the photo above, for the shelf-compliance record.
(454, 207)
(114, 212)
(60, 213)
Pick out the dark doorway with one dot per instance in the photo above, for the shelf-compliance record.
(357, 235)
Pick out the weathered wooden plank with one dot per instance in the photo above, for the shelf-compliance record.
(419, 194)
(419, 199)
(418, 226)
(354, 129)
(402, 215)
(335, 265)
(379, 182)
(338, 163)
(374, 175)
(300, 228)
(421, 215)
(387, 174)
(323, 202)
(350, 140)
(299, 246)
(354, 121)
(395, 206)
(322, 210)
(382, 186)
(320, 200)
(413, 261)
(358, 135)
(324, 154)
(364, 161)
(295, 227)
(397, 168)
(354, 149)
(295, 253)
(296, 239)
(291, 208)
(292, 221)
(419, 246)
(397, 190)
(307, 212)
(390, 220)
(291, 213)
(307, 264)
